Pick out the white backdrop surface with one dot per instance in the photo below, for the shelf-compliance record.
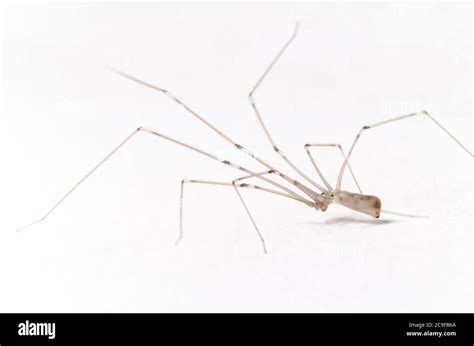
(109, 247)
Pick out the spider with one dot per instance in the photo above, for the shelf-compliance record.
(300, 192)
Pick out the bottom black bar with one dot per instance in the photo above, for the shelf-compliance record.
(290, 329)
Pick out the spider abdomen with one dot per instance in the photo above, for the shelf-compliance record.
(366, 204)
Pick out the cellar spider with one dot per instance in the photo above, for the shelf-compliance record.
(326, 195)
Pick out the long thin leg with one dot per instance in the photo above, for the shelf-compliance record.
(262, 240)
(236, 186)
(253, 175)
(142, 129)
(80, 181)
(346, 161)
(221, 184)
(315, 196)
(316, 204)
(307, 146)
(234, 183)
(261, 188)
(257, 113)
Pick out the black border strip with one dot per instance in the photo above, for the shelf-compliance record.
(289, 329)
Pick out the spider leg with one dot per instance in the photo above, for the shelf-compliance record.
(262, 124)
(142, 129)
(236, 185)
(308, 146)
(391, 120)
(314, 196)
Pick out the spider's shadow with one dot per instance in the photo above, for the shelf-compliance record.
(351, 220)
(341, 220)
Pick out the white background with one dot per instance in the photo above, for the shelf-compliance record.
(109, 247)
